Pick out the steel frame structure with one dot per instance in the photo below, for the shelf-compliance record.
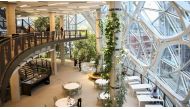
(160, 54)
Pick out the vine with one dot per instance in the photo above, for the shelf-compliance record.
(112, 27)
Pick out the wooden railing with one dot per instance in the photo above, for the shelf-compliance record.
(12, 47)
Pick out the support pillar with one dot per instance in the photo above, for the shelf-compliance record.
(15, 86)
(62, 43)
(52, 21)
(53, 61)
(11, 18)
(98, 38)
(115, 78)
(53, 52)
(98, 31)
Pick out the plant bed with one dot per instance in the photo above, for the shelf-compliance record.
(94, 75)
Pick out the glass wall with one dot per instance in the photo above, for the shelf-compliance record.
(157, 39)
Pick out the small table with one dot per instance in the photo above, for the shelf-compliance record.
(104, 95)
(101, 82)
(65, 102)
(147, 99)
(71, 86)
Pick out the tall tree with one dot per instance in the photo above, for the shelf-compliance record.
(41, 23)
(85, 49)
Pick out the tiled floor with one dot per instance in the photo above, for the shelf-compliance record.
(43, 95)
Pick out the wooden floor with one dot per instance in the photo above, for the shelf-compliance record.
(43, 95)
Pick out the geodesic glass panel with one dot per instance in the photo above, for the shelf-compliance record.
(163, 16)
(140, 43)
(174, 68)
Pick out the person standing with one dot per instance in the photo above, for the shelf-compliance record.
(61, 29)
(79, 65)
(75, 62)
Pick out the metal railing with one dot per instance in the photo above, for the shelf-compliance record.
(12, 47)
(146, 79)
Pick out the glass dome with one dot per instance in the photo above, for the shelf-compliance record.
(157, 35)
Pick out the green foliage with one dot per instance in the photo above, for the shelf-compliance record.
(101, 25)
(122, 92)
(97, 58)
(57, 23)
(85, 50)
(112, 27)
(41, 23)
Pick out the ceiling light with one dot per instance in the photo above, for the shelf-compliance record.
(65, 3)
(66, 9)
(91, 6)
(29, 1)
(24, 6)
(92, 1)
(41, 9)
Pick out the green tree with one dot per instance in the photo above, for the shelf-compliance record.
(85, 50)
(41, 23)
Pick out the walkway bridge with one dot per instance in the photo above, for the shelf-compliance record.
(13, 50)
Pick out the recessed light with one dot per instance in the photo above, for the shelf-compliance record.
(65, 3)
(66, 9)
(22, 6)
(41, 9)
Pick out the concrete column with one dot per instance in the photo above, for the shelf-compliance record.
(15, 86)
(53, 61)
(53, 52)
(62, 44)
(11, 18)
(115, 78)
(98, 38)
(52, 21)
(98, 30)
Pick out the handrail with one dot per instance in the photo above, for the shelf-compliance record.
(11, 48)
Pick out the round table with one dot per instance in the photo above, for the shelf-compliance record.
(101, 82)
(71, 86)
(65, 102)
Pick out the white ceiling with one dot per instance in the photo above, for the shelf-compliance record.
(42, 8)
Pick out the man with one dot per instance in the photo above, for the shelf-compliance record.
(79, 65)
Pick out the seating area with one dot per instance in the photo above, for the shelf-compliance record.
(95, 54)
(143, 92)
(34, 73)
